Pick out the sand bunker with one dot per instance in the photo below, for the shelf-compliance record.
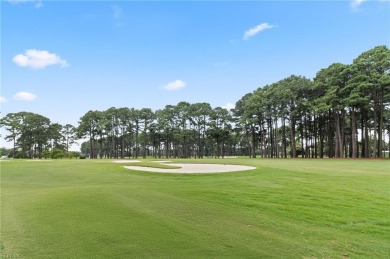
(126, 161)
(195, 168)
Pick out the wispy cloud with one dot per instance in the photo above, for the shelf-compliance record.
(356, 3)
(37, 3)
(116, 11)
(38, 59)
(3, 99)
(175, 85)
(255, 30)
(117, 14)
(25, 96)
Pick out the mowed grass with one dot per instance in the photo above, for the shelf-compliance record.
(284, 209)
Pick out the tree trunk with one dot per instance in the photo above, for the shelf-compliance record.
(353, 134)
(223, 148)
(331, 150)
(307, 146)
(112, 146)
(14, 151)
(39, 151)
(375, 148)
(293, 144)
(284, 138)
(144, 144)
(203, 143)
(321, 136)
(380, 126)
(90, 146)
(362, 136)
(342, 134)
(276, 141)
(136, 139)
(339, 141)
(199, 147)
(302, 137)
(253, 142)
(123, 144)
(366, 138)
(271, 138)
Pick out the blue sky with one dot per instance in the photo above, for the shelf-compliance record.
(63, 58)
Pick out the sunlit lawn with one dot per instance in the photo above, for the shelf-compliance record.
(283, 209)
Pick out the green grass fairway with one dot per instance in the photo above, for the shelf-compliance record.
(297, 208)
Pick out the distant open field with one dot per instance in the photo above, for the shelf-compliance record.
(299, 208)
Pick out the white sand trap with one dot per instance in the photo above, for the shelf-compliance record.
(162, 161)
(195, 168)
(126, 161)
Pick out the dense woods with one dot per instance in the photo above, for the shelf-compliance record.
(344, 111)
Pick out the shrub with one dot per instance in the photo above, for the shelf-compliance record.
(57, 153)
(72, 154)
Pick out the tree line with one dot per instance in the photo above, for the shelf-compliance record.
(344, 111)
(34, 136)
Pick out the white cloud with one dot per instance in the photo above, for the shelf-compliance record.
(38, 3)
(39, 59)
(229, 106)
(3, 99)
(175, 85)
(356, 3)
(255, 30)
(25, 96)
